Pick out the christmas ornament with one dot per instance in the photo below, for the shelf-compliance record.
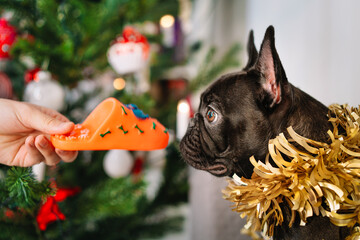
(30, 74)
(316, 179)
(39, 171)
(118, 163)
(113, 125)
(44, 91)
(6, 90)
(153, 174)
(129, 53)
(153, 178)
(138, 164)
(50, 211)
(28, 61)
(87, 86)
(7, 38)
(9, 214)
(63, 193)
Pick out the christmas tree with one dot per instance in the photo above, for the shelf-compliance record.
(72, 40)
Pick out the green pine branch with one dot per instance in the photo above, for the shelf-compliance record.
(22, 189)
(72, 35)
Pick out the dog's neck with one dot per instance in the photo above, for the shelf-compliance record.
(297, 104)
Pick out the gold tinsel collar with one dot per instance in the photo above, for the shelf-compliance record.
(318, 173)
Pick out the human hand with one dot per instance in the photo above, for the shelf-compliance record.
(24, 129)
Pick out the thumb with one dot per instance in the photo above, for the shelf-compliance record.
(53, 125)
(49, 124)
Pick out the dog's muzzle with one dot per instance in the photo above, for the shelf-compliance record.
(197, 153)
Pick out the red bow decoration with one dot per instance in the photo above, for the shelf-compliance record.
(50, 211)
(30, 74)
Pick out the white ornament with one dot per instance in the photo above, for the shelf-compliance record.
(153, 178)
(156, 158)
(39, 171)
(87, 86)
(118, 163)
(154, 173)
(128, 57)
(46, 92)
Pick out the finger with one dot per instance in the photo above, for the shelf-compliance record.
(53, 113)
(33, 117)
(32, 155)
(66, 156)
(47, 150)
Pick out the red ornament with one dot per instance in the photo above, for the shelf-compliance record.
(63, 193)
(7, 38)
(6, 90)
(138, 165)
(130, 34)
(129, 53)
(30, 74)
(9, 214)
(50, 211)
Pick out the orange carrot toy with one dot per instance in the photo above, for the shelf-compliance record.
(113, 125)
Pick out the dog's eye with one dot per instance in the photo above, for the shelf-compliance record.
(211, 115)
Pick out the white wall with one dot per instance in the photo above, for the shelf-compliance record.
(317, 42)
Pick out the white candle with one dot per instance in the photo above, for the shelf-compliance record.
(167, 30)
(182, 118)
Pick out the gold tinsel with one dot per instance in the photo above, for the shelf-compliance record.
(316, 178)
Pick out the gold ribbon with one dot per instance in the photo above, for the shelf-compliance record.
(315, 178)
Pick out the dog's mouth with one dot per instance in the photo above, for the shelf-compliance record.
(192, 150)
(218, 170)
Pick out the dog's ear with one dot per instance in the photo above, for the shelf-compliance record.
(273, 76)
(252, 52)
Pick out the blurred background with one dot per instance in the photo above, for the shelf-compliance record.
(159, 55)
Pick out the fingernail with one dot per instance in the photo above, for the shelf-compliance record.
(65, 125)
(43, 143)
(32, 144)
(31, 141)
(61, 152)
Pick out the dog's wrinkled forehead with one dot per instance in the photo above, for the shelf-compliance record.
(227, 85)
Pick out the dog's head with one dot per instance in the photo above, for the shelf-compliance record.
(235, 119)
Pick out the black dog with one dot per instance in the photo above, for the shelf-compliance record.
(241, 112)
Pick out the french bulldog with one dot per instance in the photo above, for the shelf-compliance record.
(238, 115)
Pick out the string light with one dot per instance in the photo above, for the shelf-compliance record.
(167, 21)
(183, 106)
(119, 83)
